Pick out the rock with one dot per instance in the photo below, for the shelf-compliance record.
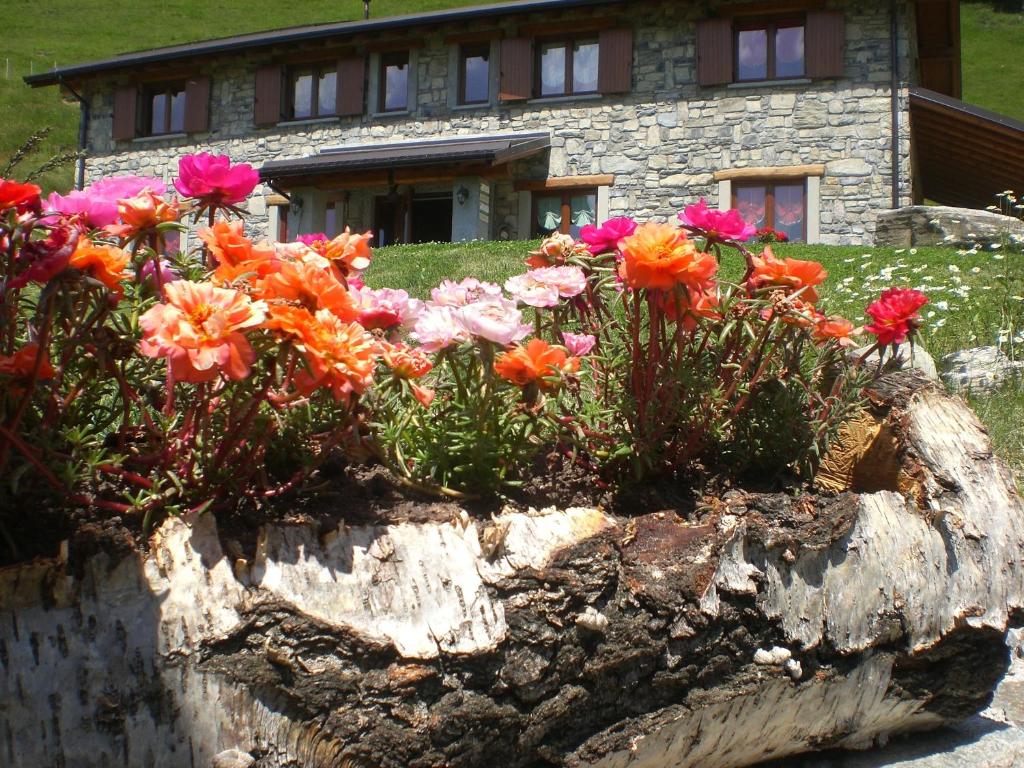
(905, 358)
(979, 369)
(774, 657)
(233, 758)
(940, 225)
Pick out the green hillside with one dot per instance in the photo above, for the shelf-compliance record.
(38, 36)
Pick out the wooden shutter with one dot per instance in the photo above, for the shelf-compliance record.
(516, 69)
(197, 104)
(714, 51)
(615, 60)
(268, 95)
(938, 45)
(350, 84)
(824, 43)
(125, 102)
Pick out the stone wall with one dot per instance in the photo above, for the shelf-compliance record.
(663, 141)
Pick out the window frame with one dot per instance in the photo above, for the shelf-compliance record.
(769, 199)
(387, 59)
(468, 51)
(566, 193)
(568, 43)
(771, 25)
(166, 90)
(316, 71)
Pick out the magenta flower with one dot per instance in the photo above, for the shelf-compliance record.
(606, 238)
(716, 225)
(578, 344)
(213, 181)
(97, 203)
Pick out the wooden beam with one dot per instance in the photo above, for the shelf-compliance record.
(770, 7)
(389, 46)
(558, 27)
(275, 200)
(402, 176)
(564, 182)
(784, 172)
(478, 36)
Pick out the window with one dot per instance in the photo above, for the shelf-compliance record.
(394, 82)
(769, 50)
(564, 212)
(566, 67)
(779, 205)
(312, 91)
(164, 110)
(474, 74)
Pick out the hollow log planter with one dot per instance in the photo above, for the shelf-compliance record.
(757, 627)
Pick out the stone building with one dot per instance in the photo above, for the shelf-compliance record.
(516, 119)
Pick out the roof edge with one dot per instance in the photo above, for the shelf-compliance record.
(256, 40)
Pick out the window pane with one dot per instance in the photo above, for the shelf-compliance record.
(789, 210)
(477, 73)
(549, 214)
(583, 211)
(752, 57)
(327, 91)
(331, 220)
(750, 202)
(158, 113)
(789, 52)
(552, 69)
(302, 95)
(396, 85)
(584, 67)
(177, 111)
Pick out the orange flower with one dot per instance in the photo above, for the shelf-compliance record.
(105, 263)
(790, 274)
(660, 256)
(349, 253)
(309, 285)
(340, 355)
(835, 327)
(409, 363)
(537, 363)
(691, 306)
(199, 330)
(20, 365)
(143, 212)
(236, 254)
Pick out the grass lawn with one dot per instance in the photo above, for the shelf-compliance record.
(976, 298)
(993, 67)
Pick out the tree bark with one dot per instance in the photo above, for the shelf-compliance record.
(759, 626)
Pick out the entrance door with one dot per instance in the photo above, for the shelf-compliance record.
(389, 220)
(431, 219)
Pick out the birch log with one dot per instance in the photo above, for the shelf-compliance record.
(759, 626)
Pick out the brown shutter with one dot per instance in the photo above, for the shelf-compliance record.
(268, 95)
(125, 100)
(824, 38)
(615, 60)
(714, 51)
(197, 104)
(516, 69)
(350, 84)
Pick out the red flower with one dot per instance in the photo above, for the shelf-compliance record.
(46, 258)
(895, 314)
(20, 197)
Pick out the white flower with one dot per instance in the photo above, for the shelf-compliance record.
(943, 305)
(954, 268)
(975, 270)
(912, 251)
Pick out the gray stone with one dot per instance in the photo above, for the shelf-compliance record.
(851, 167)
(941, 225)
(979, 369)
(905, 357)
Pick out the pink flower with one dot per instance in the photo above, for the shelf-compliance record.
(570, 281)
(716, 225)
(578, 344)
(452, 294)
(212, 179)
(526, 290)
(438, 327)
(895, 314)
(97, 203)
(495, 319)
(167, 273)
(313, 238)
(384, 307)
(606, 237)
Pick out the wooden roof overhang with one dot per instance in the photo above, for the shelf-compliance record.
(963, 155)
(407, 162)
